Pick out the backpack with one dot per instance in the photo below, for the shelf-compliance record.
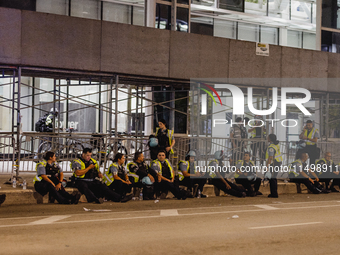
(40, 125)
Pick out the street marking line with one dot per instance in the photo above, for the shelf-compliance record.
(169, 212)
(267, 207)
(49, 220)
(287, 225)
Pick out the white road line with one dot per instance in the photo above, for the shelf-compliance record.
(287, 225)
(49, 220)
(267, 207)
(169, 212)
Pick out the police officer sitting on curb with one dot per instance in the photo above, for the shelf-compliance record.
(189, 177)
(116, 177)
(49, 179)
(299, 173)
(327, 172)
(166, 176)
(86, 170)
(246, 176)
(145, 175)
(217, 179)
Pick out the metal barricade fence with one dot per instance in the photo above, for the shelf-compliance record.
(68, 146)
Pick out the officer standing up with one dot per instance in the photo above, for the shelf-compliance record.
(116, 176)
(246, 176)
(166, 176)
(219, 181)
(165, 136)
(86, 172)
(189, 177)
(49, 179)
(311, 135)
(257, 133)
(273, 163)
(237, 133)
(327, 172)
(299, 173)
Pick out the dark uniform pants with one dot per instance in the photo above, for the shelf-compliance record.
(312, 151)
(165, 186)
(273, 180)
(121, 188)
(316, 188)
(96, 189)
(234, 191)
(327, 177)
(247, 184)
(62, 196)
(190, 182)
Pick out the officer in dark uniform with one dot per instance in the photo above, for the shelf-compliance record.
(145, 175)
(165, 136)
(166, 177)
(327, 172)
(116, 177)
(273, 161)
(49, 180)
(246, 176)
(86, 172)
(189, 177)
(219, 181)
(300, 173)
(237, 133)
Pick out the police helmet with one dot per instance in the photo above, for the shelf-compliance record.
(218, 155)
(191, 154)
(153, 142)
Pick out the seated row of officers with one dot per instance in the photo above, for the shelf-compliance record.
(156, 179)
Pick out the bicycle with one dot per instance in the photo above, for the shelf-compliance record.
(73, 148)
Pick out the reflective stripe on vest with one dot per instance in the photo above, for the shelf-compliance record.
(318, 162)
(134, 175)
(180, 174)
(310, 136)
(213, 175)
(108, 176)
(82, 167)
(277, 156)
(38, 178)
(294, 171)
(236, 175)
(160, 167)
(170, 134)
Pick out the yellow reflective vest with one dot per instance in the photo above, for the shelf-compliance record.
(82, 165)
(39, 178)
(180, 174)
(133, 174)
(170, 135)
(277, 156)
(310, 136)
(251, 163)
(160, 167)
(108, 176)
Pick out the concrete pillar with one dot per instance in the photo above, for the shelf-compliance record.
(150, 13)
(283, 36)
(318, 24)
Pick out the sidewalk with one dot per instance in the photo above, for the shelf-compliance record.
(17, 196)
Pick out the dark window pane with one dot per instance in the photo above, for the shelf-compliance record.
(329, 13)
(182, 19)
(28, 5)
(183, 2)
(330, 42)
(163, 16)
(234, 5)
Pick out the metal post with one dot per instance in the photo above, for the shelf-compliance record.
(129, 123)
(116, 110)
(321, 117)
(110, 105)
(18, 122)
(327, 116)
(100, 106)
(172, 106)
(54, 104)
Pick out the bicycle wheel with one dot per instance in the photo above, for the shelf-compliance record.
(43, 148)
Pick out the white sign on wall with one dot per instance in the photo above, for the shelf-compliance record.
(262, 49)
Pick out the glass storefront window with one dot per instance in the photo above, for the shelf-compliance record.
(279, 9)
(163, 16)
(117, 13)
(234, 5)
(248, 32)
(225, 28)
(138, 16)
(89, 9)
(53, 6)
(257, 7)
(269, 35)
(301, 11)
(202, 25)
(330, 13)
(309, 41)
(294, 38)
(205, 2)
(330, 42)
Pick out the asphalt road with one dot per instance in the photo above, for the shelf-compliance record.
(292, 224)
